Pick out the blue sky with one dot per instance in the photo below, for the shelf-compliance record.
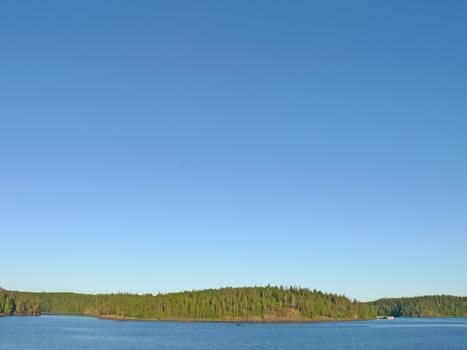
(161, 146)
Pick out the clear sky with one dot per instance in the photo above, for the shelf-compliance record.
(154, 146)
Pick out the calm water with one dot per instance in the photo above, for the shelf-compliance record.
(65, 332)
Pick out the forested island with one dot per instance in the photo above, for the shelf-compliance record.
(252, 304)
(424, 306)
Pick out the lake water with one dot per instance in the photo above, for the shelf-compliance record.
(66, 332)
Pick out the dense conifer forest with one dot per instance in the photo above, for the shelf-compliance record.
(228, 304)
(425, 306)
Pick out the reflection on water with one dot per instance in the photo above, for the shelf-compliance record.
(66, 332)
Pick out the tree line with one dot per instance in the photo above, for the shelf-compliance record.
(229, 304)
(424, 306)
(225, 304)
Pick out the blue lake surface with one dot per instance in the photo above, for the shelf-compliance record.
(67, 332)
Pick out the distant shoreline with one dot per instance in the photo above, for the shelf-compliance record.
(182, 320)
(233, 322)
(266, 304)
